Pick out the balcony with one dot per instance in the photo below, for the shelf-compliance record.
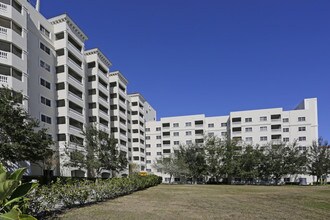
(11, 59)
(17, 14)
(276, 118)
(8, 34)
(276, 128)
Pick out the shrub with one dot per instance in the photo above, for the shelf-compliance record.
(61, 195)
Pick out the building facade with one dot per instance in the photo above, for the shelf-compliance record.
(67, 87)
(254, 127)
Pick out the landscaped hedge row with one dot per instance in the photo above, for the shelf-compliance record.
(56, 196)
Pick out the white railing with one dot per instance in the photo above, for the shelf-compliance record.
(74, 79)
(3, 79)
(74, 63)
(71, 93)
(3, 31)
(3, 7)
(75, 112)
(74, 47)
(3, 54)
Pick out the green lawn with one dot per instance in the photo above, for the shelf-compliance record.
(213, 202)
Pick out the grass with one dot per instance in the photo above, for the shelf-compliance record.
(213, 202)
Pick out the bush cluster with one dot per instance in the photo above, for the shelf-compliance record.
(48, 199)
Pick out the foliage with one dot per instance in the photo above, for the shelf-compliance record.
(21, 138)
(319, 160)
(46, 199)
(172, 165)
(193, 157)
(13, 202)
(101, 154)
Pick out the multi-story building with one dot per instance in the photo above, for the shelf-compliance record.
(254, 127)
(140, 113)
(67, 87)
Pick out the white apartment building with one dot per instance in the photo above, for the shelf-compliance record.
(67, 87)
(257, 127)
(141, 112)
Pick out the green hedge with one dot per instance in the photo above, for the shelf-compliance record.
(45, 200)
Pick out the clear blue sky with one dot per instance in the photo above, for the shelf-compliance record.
(213, 56)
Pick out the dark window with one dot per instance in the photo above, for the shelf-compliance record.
(61, 137)
(60, 103)
(59, 36)
(60, 69)
(61, 120)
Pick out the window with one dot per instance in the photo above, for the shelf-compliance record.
(59, 36)
(159, 153)
(176, 142)
(158, 137)
(166, 125)
(302, 129)
(189, 142)
(158, 129)
(17, 6)
(147, 129)
(44, 31)
(263, 128)
(148, 170)
(286, 139)
(45, 101)
(148, 161)
(46, 119)
(248, 139)
(60, 69)
(61, 120)
(44, 48)
(136, 158)
(44, 65)
(248, 119)
(285, 120)
(44, 83)
(224, 133)
(148, 145)
(60, 103)
(248, 129)
(263, 138)
(223, 124)
(211, 125)
(147, 137)
(61, 137)
(210, 134)
(285, 129)
(188, 133)
(188, 124)
(175, 125)
(175, 134)
(167, 151)
(159, 145)
(263, 118)
(302, 138)
(301, 118)
(302, 148)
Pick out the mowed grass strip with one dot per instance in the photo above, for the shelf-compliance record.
(213, 202)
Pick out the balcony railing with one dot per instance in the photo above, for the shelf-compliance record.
(3, 7)
(3, 31)
(3, 79)
(74, 47)
(74, 63)
(3, 54)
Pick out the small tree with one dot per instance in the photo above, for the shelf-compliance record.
(249, 163)
(214, 154)
(21, 138)
(101, 153)
(171, 165)
(194, 157)
(319, 160)
(282, 159)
